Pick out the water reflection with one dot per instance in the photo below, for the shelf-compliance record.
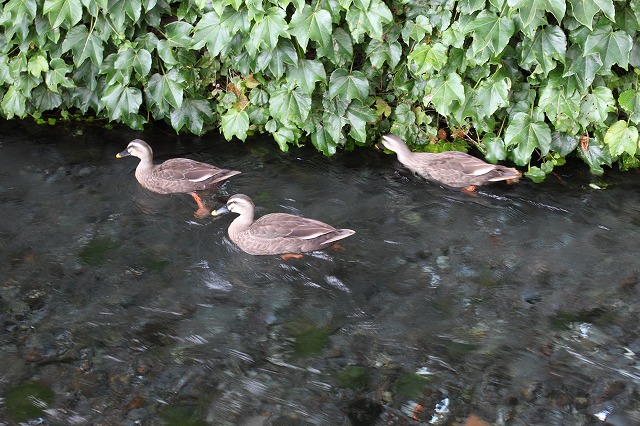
(515, 306)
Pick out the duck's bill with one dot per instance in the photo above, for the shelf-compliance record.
(222, 210)
(381, 147)
(124, 153)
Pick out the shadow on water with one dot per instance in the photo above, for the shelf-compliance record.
(516, 305)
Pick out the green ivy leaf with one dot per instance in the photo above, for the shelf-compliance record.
(121, 101)
(614, 47)
(119, 10)
(627, 162)
(44, 99)
(585, 10)
(94, 7)
(307, 73)
(428, 58)
(133, 8)
(333, 124)
(113, 73)
(14, 103)
(178, 34)
(536, 174)
(166, 53)
(166, 90)
(5, 72)
(84, 45)
(416, 30)
(490, 30)
(583, 69)
(525, 135)
(290, 106)
(299, 4)
(277, 60)
(340, 50)
(235, 4)
(628, 17)
(266, 32)
(496, 149)
(528, 10)
(235, 123)
(256, 9)
(209, 31)
(21, 9)
(595, 157)
(493, 93)
(139, 60)
(258, 97)
(257, 115)
(467, 7)
(368, 20)
(563, 144)
(83, 98)
(630, 102)
(381, 51)
(192, 113)
(444, 93)
(323, 141)
(117, 17)
(308, 23)
(549, 45)
(405, 117)
(271, 126)
(37, 65)
(595, 106)
(284, 136)
(358, 115)
(621, 138)
(557, 7)
(59, 11)
(236, 20)
(57, 75)
(347, 86)
(560, 106)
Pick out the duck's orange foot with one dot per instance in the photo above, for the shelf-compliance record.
(203, 211)
(336, 247)
(289, 256)
(470, 190)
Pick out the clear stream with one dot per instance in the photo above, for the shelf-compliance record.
(516, 306)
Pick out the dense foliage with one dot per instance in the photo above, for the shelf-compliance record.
(526, 80)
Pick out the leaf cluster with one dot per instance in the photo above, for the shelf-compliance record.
(529, 81)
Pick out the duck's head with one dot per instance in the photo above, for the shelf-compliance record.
(137, 148)
(238, 203)
(393, 143)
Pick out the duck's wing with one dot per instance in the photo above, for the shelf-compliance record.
(181, 169)
(461, 162)
(284, 225)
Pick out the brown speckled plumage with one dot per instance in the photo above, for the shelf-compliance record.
(174, 175)
(452, 168)
(276, 233)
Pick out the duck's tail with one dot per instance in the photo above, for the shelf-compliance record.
(338, 234)
(504, 173)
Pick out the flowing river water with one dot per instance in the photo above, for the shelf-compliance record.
(518, 305)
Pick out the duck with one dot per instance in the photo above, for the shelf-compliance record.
(176, 175)
(454, 169)
(276, 233)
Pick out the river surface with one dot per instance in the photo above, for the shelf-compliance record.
(518, 305)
